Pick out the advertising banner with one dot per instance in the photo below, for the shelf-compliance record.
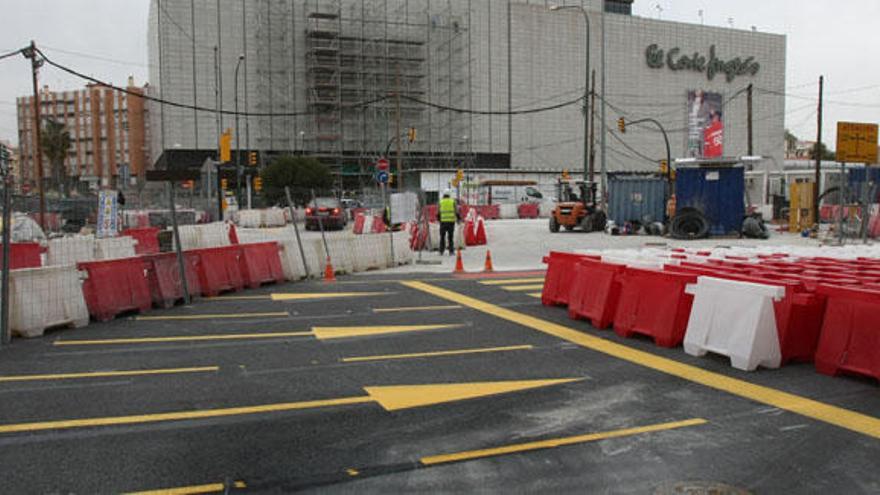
(108, 214)
(705, 136)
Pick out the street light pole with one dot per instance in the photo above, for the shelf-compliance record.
(557, 8)
(237, 140)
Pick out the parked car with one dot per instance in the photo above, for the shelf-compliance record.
(329, 211)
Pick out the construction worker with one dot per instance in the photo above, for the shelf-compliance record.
(449, 215)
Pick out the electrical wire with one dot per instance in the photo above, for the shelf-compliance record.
(11, 54)
(94, 57)
(488, 112)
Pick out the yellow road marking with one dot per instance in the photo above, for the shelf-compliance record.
(239, 298)
(391, 398)
(327, 295)
(104, 374)
(844, 418)
(352, 472)
(522, 288)
(438, 354)
(536, 295)
(415, 308)
(279, 314)
(192, 490)
(328, 333)
(186, 338)
(506, 281)
(556, 442)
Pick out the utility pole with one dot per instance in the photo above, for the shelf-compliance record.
(592, 171)
(397, 119)
(37, 151)
(818, 151)
(750, 121)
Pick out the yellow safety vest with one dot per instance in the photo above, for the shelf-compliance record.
(447, 210)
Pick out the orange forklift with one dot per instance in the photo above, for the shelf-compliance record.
(577, 207)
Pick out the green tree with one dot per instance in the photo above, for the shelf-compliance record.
(790, 141)
(300, 174)
(55, 142)
(825, 153)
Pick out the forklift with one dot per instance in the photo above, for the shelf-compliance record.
(577, 207)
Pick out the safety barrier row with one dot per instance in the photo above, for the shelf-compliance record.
(759, 308)
(71, 250)
(268, 217)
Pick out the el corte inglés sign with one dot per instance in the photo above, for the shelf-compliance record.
(675, 60)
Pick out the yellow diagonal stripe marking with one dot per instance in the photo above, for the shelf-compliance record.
(328, 333)
(192, 490)
(506, 281)
(556, 442)
(104, 374)
(460, 352)
(184, 338)
(397, 397)
(522, 288)
(415, 309)
(328, 295)
(277, 314)
(844, 418)
(536, 295)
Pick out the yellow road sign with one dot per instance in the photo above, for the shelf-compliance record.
(856, 142)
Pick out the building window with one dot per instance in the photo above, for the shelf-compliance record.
(619, 7)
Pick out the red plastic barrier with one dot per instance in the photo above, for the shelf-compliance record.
(470, 237)
(654, 303)
(163, 275)
(827, 213)
(480, 233)
(219, 269)
(489, 212)
(418, 239)
(379, 226)
(430, 212)
(359, 221)
(147, 239)
(560, 275)
(528, 210)
(355, 212)
(850, 339)
(261, 264)
(23, 255)
(595, 292)
(233, 234)
(117, 286)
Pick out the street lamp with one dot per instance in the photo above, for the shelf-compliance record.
(588, 175)
(237, 141)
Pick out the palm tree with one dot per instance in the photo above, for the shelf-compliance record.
(56, 142)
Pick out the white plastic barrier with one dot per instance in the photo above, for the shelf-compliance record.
(402, 252)
(70, 250)
(509, 212)
(46, 297)
(249, 218)
(204, 236)
(115, 248)
(273, 217)
(370, 255)
(734, 319)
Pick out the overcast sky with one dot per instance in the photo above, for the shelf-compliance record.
(837, 38)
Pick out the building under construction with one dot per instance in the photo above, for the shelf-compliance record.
(344, 80)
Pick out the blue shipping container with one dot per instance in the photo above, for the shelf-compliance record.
(634, 198)
(717, 192)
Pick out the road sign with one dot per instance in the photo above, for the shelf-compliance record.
(382, 164)
(856, 142)
(382, 176)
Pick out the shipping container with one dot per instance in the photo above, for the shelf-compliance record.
(717, 192)
(637, 199)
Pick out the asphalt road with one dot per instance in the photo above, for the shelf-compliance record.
(419, 383)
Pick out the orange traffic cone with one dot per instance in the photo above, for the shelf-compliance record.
(329, 273)
(488, 268)
(459, 266)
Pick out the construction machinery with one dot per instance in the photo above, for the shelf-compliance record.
(577, 207)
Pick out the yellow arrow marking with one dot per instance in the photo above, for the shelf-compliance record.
(522, 288)
(104, 374)
(844, 418)
(415, 308)
(392, 398)
(192, 490)
(438, 354)
(506, 281)
(556, 442)
(328, 295)
(328, 333)
(213, 317)
(188, 338)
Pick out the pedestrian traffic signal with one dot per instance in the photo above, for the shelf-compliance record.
(412, 134)
(258, 184)
(226, 146)
(252, 158)
(621, 124)
(224, 184)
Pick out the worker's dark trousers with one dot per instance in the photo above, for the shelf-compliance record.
(447, 234)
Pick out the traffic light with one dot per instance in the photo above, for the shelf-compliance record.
(412, 134)
(252, 158)
(664, 167)
(224, 184)
(621, 125)
(258, 184)
(226, 146)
